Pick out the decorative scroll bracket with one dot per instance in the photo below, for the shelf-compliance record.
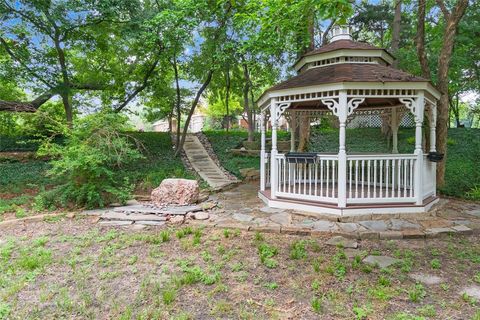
(353, 104)
(279, 110)
(411, 104)
(332, 104)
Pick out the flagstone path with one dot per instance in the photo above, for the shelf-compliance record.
(241, 208)
(204, 165)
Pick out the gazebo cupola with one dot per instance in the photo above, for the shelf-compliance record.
(342, 49)
(345, 79)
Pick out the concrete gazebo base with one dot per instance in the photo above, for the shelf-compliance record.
(350, 210)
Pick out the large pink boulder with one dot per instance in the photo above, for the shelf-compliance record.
(176, 191)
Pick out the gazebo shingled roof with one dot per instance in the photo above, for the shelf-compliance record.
(351, 72)
(344, 44)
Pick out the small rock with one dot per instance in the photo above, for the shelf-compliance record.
(208, 205)
(112, 215)
(203, 196)
(271, 210)
(375, 225)
(201, 215)
(475, 212)
(381, 261)
(137, 226)
(462, 222)
(114, 223)
(399, 224)
(180, 210)
(432, 232)
(70, 215)
(426, 278)
(348, 226)
(178, 219)
(324, 225)
(351, 253)
(472, 291)
(150, 223)
(242, 217)
(344, 242)
(281, 218)
(462, 228)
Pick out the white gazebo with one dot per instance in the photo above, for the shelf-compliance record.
(345, 79)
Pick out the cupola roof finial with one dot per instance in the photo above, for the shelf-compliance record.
(341, 33)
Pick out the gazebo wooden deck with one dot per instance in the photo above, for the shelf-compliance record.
(344, 79)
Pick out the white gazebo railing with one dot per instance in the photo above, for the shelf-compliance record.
(370, 178)
(380, 177)
(317, 181)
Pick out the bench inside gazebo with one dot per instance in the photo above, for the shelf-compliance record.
(346, 79)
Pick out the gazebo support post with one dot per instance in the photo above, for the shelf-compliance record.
(273, 154)
(342, 154)
(433, 141)
(418, 112)
(262, 152)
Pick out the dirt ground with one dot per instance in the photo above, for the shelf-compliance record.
(74, 269)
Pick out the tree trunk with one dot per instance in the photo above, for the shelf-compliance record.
(178, 109)
(327, 31)
(254, 108)
(246, 104)
(396, 30)
(311, 32)
(192, 110)
(452, 20)
(68, 109)
(420, 40)
(304, 133)
(227, 96)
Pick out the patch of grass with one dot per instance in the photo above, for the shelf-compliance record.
(4, 310)
(258, 236)
(384, 281)
(316, 285)
(435, 264)
(316, 264)
(427, 310)
(168, 296)
(271, 285)
(416, 293)
(362, 312)
(267, 252)
(297, 250)
(316, 304)
(338, 266)
(33, 259)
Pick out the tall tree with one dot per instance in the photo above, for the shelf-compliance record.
(452, 18)
(397, 19)
(74, 49)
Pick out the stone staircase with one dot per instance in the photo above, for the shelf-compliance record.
(203, 164)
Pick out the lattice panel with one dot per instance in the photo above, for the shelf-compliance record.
(374, 118)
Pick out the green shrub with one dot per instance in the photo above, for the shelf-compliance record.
(88, 166)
